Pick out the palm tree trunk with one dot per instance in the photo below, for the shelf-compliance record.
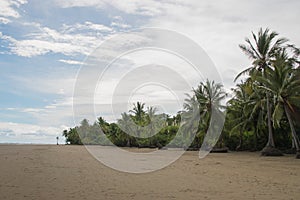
(271, 138)
(293, 144)
(270, 149)
(239, 147)
(128, 142)
(255, 139)
(294, 134)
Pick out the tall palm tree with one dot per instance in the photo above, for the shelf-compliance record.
(138, 117)
(139, 113)
(282, 80)
(190, 118)
(237, 112)
(127, 126)
(262, 50)
(246, 111)
(208, 98)
(153, 121)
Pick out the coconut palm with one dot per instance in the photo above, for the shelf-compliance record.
(154, 121)
(238, 115)
(208, 99)
(246, 111)
(127, 126)
(282, 80)
(209, 95)
(190, 118)
(138, 112)
(262, 50)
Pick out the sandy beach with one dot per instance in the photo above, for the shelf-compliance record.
(70, 172)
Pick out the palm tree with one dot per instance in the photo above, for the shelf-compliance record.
(127, 126)
(103, 125)
(155, 121)
(208, 98)
(139, 113)
(190, 118)
(261, 52)
(246, 112)
(282, 80)
(237, 112)
(138, 117)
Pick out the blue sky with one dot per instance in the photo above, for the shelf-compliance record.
(44, 43)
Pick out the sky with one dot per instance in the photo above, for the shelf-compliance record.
(45, 44)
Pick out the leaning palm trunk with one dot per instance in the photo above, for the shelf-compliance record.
(270, 149)
(294, 134)
(293, 144)
(271, 137)
(239, 147)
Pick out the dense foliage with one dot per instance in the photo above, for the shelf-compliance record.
(262, 114)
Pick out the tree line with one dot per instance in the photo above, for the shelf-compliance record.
(262, 115)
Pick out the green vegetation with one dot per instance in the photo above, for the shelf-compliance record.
(263, 113)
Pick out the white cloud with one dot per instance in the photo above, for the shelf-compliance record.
(120, 25)
(4, 20)
(89, 26)
(28, 133)
(48, 84)
(57, 113)
(9, 9)
(32, 110)
(57, 110)
(137, 7)
(67, 41)
(80, 3)
(11, 109)
(219, 27)
(71, 62)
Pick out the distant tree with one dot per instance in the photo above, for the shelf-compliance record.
(72, 136)
(138, 113)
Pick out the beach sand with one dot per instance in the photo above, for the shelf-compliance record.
(70, 172)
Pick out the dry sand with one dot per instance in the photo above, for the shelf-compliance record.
(70, 172)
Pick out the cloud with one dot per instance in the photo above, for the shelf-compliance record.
(9, 9)
(57, 91)
(67, 41)
(80, 3)
(120, 25)
(71, 62)
(56, 113)
(28, 133)
(4, 20)
(89, 26)
(136, 7)
(215, 25)
(49, 84)
(219, 27)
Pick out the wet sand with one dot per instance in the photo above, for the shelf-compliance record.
(70, 172)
